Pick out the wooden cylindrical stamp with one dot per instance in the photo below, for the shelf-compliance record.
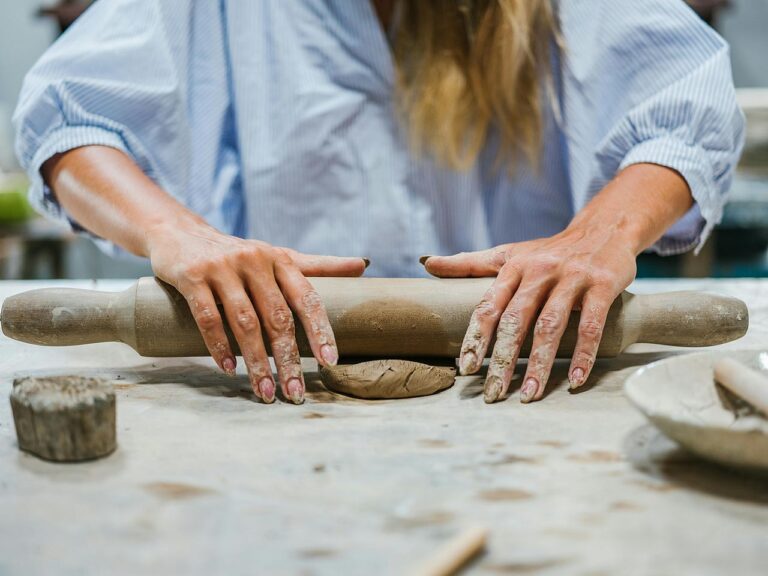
(64, 418)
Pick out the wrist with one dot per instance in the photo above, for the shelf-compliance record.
(621, 229)
(160, 231)
(637, 206)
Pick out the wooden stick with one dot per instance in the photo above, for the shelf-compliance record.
(747, 383)
(370, 317)
(455, 554)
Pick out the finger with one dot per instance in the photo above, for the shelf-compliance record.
(510, 334)
(306, 303)
(594, 311)
(278, 323)
(466, 264)
(547, 333)
(485, 318)
(246, 329)
(206, 314)
(315, 265)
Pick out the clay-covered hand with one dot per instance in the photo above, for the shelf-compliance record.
(538, 284)
(258, 285)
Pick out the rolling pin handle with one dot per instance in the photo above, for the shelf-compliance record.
(687, 318)
(61, 316)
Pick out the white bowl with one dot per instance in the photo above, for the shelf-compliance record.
(680, 396)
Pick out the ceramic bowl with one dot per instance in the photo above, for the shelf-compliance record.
(679, 395)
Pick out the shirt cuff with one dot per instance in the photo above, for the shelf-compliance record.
(692, 163)
(62, 139)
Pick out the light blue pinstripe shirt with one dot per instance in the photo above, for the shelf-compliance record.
(274, 120)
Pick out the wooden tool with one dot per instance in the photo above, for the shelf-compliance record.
(455, 554)
(371, 317)
(64, 418)
(748, 384)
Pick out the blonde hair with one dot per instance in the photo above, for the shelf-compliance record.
(466, 66)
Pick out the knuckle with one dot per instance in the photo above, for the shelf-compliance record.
(244, 253)
(281, 319)
(193, 273)
(256, 366)
(486, 310)
(509, 325)
(499, 257)
(549, 324)
(517, 262)
(576, 270)
(311, 301)
(285, 352)
(503, 359)
(512, 268)
(584, 357)
(207, 319)
(246, 320)
(511, 316)
(590, 330)
(323, 337)
(546, 265)
(218, 348)
(281, 257)
(585, 360)
(602, 278)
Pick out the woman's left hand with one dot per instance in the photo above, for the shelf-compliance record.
(582, 268)
(585, 268)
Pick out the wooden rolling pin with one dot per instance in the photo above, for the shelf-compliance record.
(371, 317)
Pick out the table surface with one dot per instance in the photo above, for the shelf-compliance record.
(207, 481)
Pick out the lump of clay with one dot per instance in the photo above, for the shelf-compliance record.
(64, 418)
(387, 379)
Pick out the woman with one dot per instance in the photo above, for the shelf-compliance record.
(548, 146)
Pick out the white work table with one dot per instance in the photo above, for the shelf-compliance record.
(207, 481)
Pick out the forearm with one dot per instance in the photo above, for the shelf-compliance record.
(107, 193)
(640, 204)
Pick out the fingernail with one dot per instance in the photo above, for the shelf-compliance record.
(295, 391)
(467, 362)
(423, 260)
(228, 364)
(267, 390)
(577, 378)
(367, 262)
(528, 390)
(329, 355)
(492, 390)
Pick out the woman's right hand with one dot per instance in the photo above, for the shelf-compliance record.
(258, 285)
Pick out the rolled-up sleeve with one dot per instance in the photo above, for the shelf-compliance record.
(121, 77)
(649, 82)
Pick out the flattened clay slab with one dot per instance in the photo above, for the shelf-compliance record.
(681, 397)
(64, 418)
(387, 379)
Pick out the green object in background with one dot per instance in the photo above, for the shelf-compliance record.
(14, 207)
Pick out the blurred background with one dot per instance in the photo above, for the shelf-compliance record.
(33, 248)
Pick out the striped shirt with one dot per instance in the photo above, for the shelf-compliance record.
(275, 120)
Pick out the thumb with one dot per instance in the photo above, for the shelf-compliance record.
(466, 264)
(317, 265)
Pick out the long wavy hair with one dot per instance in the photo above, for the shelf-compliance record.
(464, 66)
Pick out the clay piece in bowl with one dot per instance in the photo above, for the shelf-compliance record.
(680, 396)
